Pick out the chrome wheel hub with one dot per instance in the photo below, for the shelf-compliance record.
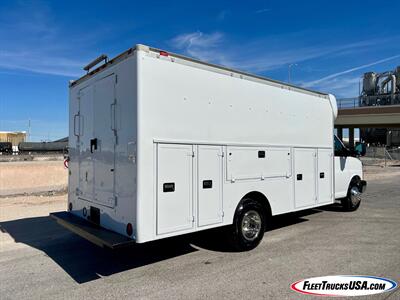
(355, 195)
(251, 225)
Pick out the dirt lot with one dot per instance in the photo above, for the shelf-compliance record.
(32, 177)
(40, 259)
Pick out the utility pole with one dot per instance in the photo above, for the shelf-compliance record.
(289, 69)
(29, 130)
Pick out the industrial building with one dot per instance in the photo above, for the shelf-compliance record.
(13, 137)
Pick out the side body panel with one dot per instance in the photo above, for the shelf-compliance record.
(181, 104)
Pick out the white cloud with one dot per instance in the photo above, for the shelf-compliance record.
(203, 46)
(258, 55)
(38, 62)
(341, 87)
(222, 15)
(45, 48)
(197, 39)
(263, 10)
(350, 70)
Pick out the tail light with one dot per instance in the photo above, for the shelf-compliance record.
(129, 229)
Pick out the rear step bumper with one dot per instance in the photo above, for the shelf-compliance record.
(95, 234)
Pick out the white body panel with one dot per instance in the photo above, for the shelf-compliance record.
(190, 140)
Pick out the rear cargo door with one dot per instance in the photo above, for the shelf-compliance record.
(97, 135)
(86, 171)
(104, 140)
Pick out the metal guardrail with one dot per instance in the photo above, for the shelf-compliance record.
(362, 101)
(348, 103)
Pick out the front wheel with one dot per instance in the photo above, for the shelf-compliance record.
(248, 226)
(353, 199)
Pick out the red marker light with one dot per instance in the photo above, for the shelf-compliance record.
(129, 229)
(163, 53)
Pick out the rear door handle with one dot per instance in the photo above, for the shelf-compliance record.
(76, 134)
(112, 116)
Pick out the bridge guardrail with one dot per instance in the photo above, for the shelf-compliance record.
(348, 103)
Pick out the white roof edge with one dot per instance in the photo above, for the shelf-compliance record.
(262, 78)
(147, 49)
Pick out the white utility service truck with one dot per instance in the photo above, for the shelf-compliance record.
(162, 145)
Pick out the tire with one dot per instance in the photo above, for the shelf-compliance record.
(248, 225)
(353, 199)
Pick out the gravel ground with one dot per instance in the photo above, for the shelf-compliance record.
(31, 177)
(40, 259)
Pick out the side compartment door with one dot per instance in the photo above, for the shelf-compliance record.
(325, 176)
(174, 187)
(210, 185)
(304, 177)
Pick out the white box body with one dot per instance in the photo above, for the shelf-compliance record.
(171, 145)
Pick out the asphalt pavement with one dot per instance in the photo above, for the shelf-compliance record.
(40, 259)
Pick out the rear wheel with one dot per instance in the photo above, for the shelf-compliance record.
(353, 199)
(248, 226)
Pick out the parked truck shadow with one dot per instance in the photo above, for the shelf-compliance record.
(82, 260)
(216, 239)
(85, 262)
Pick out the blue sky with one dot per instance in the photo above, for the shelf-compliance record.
(43, 44)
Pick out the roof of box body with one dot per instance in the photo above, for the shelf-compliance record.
(194, 62)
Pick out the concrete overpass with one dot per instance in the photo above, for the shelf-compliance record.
(369, 116)
(387, 116)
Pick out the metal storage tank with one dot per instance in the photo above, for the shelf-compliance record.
(42, 146)
(397, 74)
(369, 83)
